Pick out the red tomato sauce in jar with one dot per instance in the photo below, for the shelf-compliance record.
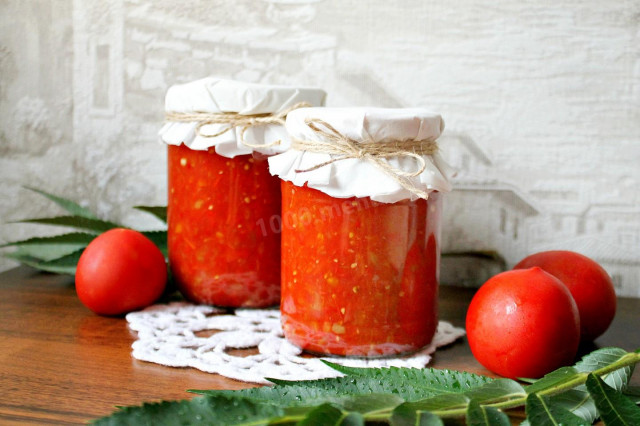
(359, 277)
(217, 253)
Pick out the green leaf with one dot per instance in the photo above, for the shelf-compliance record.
(480, 415)
(308, 393)
(329, 415)
(404, 415)
(50, 248)
(577, 402)
(197, 411)
(70, 206)
(553, 379)
(396, 385)
(96, 226)
(377, 395)
(410, 384)
(614, 408)
(430, 380)
(64, 265)
(158, 211)
(159, 238)
(600, 358)
(542, 412)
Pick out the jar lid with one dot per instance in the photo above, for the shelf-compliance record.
(385, 154)
(235, 117)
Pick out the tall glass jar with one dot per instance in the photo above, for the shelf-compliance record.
(360, 273)
(217, 254)
(220, 189)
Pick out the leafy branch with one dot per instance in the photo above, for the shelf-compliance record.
(596, 387)
(60, 253)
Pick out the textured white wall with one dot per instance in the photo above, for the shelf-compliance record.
(541, 99)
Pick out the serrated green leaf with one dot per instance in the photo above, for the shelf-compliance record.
(70, 206)
(159, 238)
(405, 415)
(614, 408)
(330, 415)
(377, 394)
(577, 402)
(64, 265)
(552, 379)
(50, 248)
(480, 415)
(158, 211)
(200, 410)
(600, 358)
(410, 384)
(395, 385)
(313, 392)
(543, 412)
(96, 226)
(70, 238)
(430, 379)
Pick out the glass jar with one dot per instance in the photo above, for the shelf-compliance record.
(359, 277)
(217, 253)
(219, 134)
(361, 205)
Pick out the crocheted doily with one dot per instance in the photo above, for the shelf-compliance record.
(181, 334)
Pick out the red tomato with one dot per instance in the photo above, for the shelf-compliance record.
(120, 271)
(589, 284)
(523, 323)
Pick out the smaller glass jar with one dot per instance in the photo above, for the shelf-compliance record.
(220, 189)
(217, 254)
(360, 248)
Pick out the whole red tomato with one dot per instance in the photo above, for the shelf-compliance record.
(589, 284)
(523, 323)
(120, 271)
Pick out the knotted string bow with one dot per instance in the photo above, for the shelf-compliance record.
(233, 119)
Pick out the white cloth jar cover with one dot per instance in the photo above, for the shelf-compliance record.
(220, 96)
(357, 177)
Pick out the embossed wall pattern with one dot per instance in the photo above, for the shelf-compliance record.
(541, 101)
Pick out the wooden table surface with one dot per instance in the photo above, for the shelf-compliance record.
(62, 364)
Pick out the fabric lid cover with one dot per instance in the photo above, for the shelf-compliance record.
(216, 95)
(355, 177)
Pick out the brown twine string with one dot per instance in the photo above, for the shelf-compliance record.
(341, 147)
(234, 119)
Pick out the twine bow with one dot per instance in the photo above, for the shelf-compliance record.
(377, 153)
(233, 119)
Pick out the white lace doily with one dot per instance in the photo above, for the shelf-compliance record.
(185, 335)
